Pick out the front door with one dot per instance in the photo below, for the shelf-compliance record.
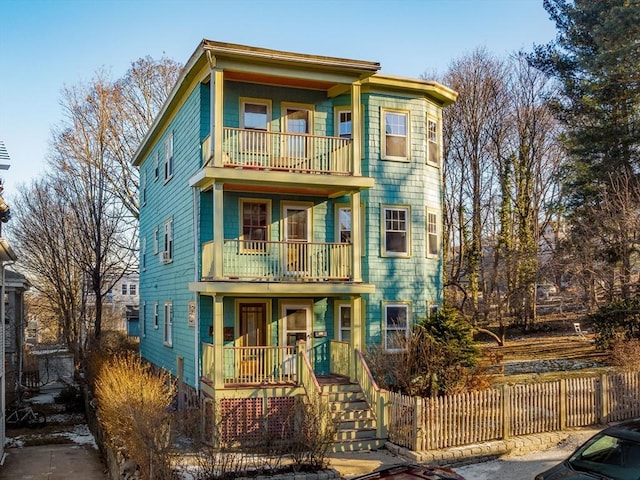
(252, 324)
(296, 327)
(297, 232)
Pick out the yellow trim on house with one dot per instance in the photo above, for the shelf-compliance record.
(428, 88)
(274, 289)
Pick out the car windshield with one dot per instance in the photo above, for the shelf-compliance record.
(610, 456)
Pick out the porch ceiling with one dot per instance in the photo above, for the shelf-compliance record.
(274, 289)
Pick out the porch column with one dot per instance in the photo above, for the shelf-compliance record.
(218, 230)
(218, 337)
(357, 334)
(356, 238)
(356, 128)
(216, 89)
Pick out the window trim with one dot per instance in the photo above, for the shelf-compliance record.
(343, 206)
(169, 156)
(385, 329)
(383, 135)
(243, 202)
(143, 254)
(336, 128)
(124, 289)
(156, 167)
(339, 305)
(143, 319)
(156, 240)
(429, 234)
(437, 142)
(383, 231)
(256, 101)
(156, 308)
(167, 323)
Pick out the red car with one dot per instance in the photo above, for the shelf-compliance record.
(412, 472)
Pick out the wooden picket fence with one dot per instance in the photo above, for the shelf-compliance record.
(422, 424)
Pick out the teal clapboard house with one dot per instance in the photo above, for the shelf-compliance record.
(290, 217)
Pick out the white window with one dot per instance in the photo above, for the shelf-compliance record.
(396, 325)
(433, 148)
(395, 135)
(344, 123)
(167, 320)
(344, 225)
(143, 254)
(433, 309)
(167, 241)
(255, 225)
(156, 241)
(143, 186)
(255, 117)
(143, 319)
(155, 315)
(156, 165)
(433, 239)
(344, 322)
(123, 289)
(133, 289)
(396, 233)
(168, 157)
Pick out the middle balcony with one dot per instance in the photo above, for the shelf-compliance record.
(280, 261)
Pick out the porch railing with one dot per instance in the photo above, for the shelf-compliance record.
(376, 397)
(340, 358)
(280, 261)
(252, 365)
(287, 151)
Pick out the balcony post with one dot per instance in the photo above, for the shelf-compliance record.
(357, 336)
(218, 344)
(356, 128)
(356, 238)
(218, 230)
(216, 87)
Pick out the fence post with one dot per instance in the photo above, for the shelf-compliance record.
(563, 404)
(506, 411)
(415, 429)
(603, 418)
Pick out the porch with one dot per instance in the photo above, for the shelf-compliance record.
(280, 261)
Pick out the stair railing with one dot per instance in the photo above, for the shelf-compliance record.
(306, 376)
(376, 397)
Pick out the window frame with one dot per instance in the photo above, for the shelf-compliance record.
(156, 240)
(133, 289)
(156, 166)
(143, 319)
(385, 252)
(156, 309)
(262, 102)
(267, 230)
(437, 135)
(124, 289)
(169, 155)
(338, 112)
(385, 323)
(429, 233)
(340, 306)
(383, 135)
(338, 238)
(167, 240)
(167, 323)
(143, 254)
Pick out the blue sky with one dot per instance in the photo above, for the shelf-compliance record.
(47, 44)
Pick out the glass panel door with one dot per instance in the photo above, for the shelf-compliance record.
(296, 327)
(297, 122)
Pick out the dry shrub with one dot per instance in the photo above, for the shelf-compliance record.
(626, 354)
(133, 407)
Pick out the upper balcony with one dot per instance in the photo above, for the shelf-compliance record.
(296, 163)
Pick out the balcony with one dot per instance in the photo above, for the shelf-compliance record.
(280, 261)
(289, 152)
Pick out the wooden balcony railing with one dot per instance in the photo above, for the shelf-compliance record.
(258, 149)
(252, 365)
(280, 261)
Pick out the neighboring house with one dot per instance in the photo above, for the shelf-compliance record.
(121, 305)
(290, 217)
(15, 285)
(7, 255)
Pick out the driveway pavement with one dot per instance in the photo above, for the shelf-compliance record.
(53, 462)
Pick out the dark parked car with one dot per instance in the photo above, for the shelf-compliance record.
(412, 472)
(614, 453)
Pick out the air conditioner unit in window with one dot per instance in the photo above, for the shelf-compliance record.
(166, 257)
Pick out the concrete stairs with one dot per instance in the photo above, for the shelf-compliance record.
(356, 424)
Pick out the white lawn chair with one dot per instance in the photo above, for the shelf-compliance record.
(579, 331)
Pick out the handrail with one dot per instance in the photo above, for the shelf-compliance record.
(306, 376)
(375, 396)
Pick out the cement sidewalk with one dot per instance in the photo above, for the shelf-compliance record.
(53, 462)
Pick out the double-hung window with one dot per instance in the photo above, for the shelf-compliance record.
(433, 239)
(396, 231)
(143, 254)
(396, 326)
(255, 122)
(344, 123)
(344, 225)
(433, 148)
(396, 135)
(344, 322)
(133, 288)
(168, 157)
(156, 241)
(167, 241)
(167, 320)
(255, 225)
(156, 165)
(123, 289)
(155, 315)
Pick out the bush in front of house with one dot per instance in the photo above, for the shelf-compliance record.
(134, 409)
(617, 321)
